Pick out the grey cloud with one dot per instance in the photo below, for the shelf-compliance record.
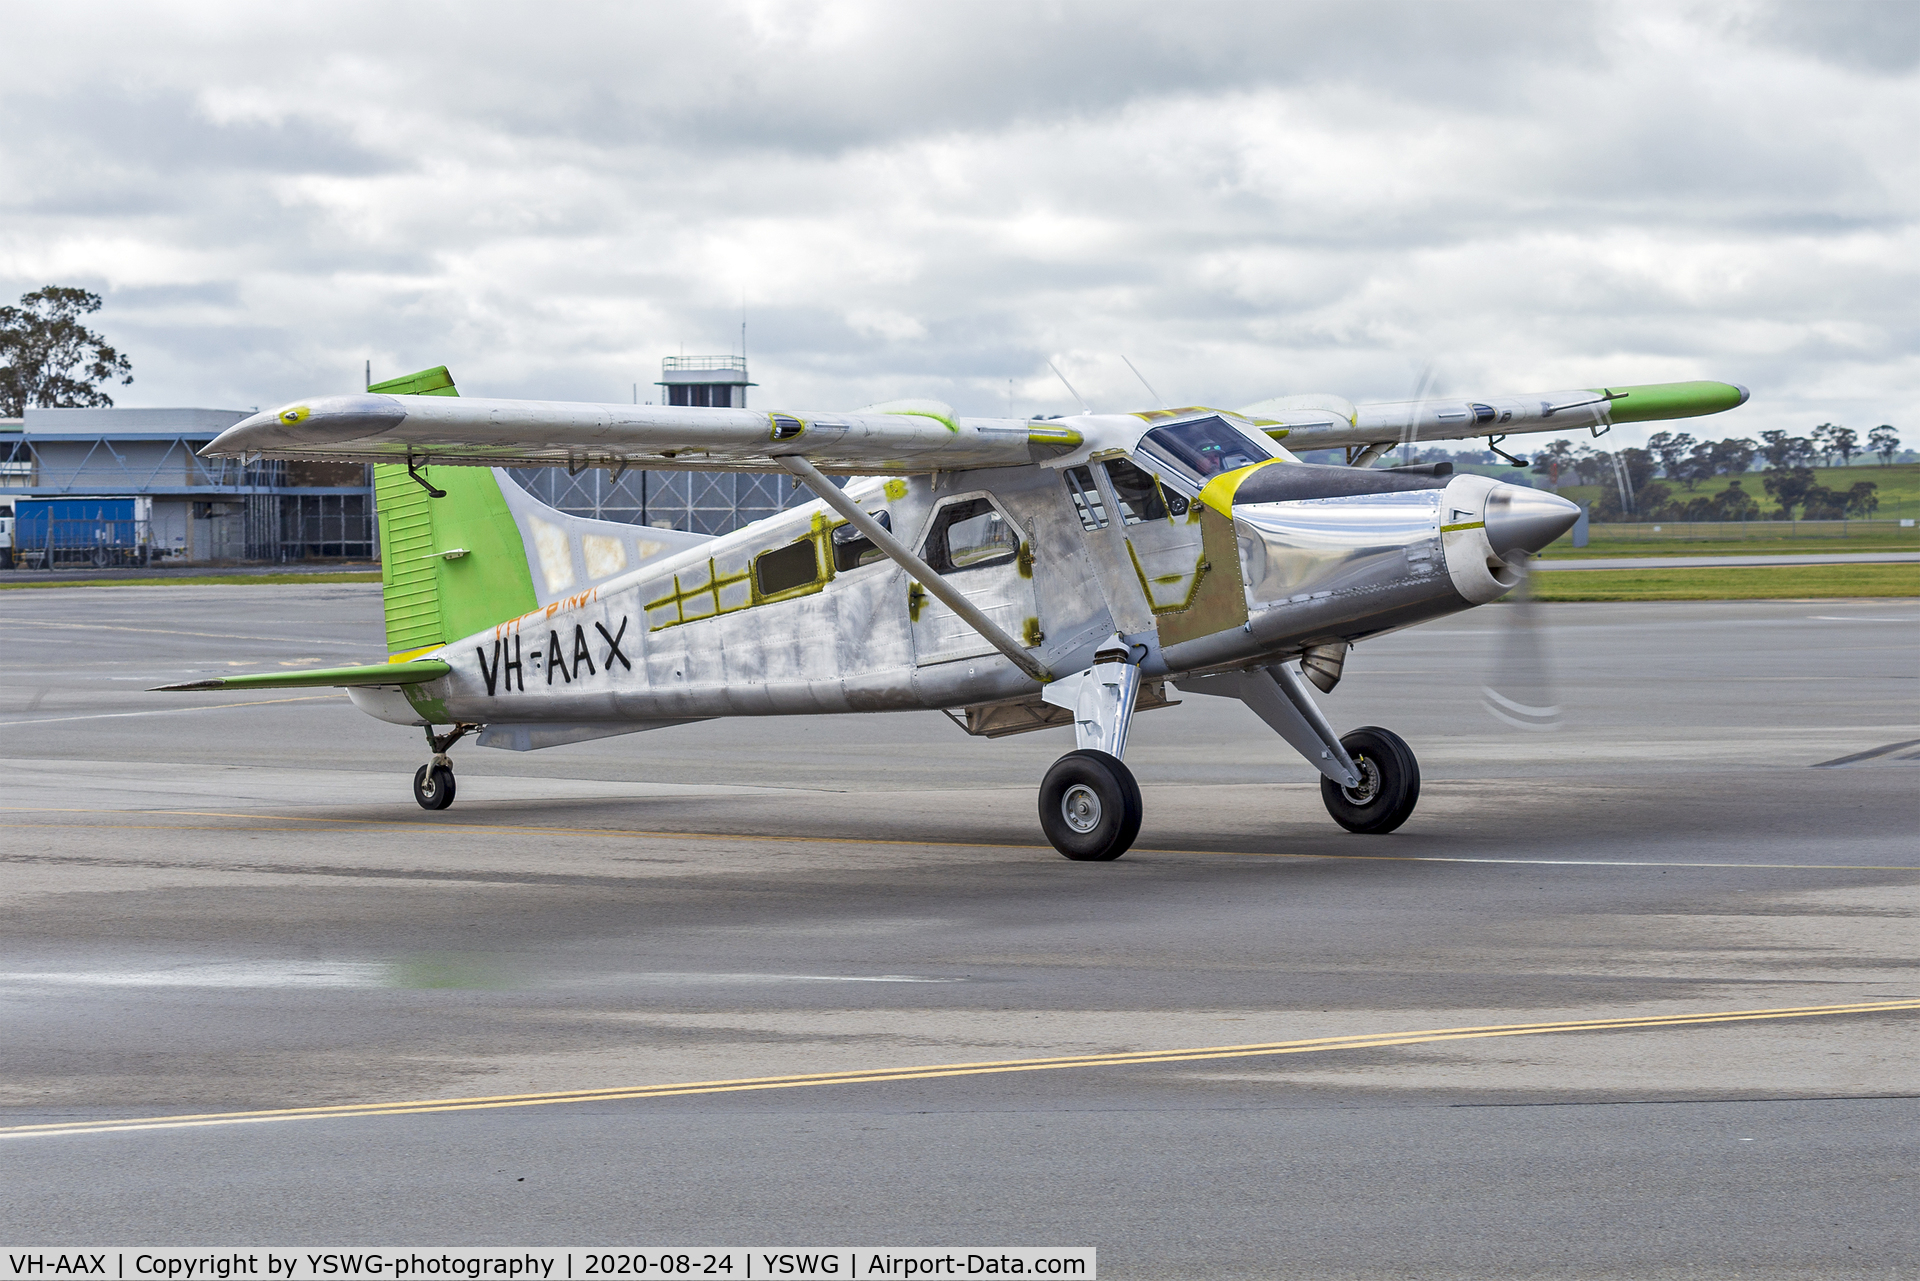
(167, 131)
(1246, 199)
(1881, 36)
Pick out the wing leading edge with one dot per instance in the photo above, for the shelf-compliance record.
(901, 438)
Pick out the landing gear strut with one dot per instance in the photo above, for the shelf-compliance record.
(1370, 780)
(1089, 802)
(433, 783)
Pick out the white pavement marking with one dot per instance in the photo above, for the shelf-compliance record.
(166, 631)
(133, 785)
(174, 711)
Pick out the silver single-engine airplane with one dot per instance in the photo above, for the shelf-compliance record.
(1015, 574)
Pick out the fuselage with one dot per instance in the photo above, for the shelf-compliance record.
(1193, 536)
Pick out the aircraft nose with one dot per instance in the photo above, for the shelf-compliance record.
(1522, 519)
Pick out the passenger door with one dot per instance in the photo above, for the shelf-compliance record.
(976, 547)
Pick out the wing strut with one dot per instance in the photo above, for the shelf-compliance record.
(922, 572)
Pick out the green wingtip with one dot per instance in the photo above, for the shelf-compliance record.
(1671, 400)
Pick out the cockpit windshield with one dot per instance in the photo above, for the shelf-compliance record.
(1202, 449)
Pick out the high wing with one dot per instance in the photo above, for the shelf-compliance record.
(897, 438)
(1320, 422)
(900, 437)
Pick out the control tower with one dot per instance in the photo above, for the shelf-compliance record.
(718, 382)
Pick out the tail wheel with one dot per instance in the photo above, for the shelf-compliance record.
(1090, 806)
(433, 787)
(1389, 783)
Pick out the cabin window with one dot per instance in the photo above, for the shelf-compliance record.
(970, 535)
(1204, 448)
(852, 549)
(785, 568)
(1140, 496)
(1087, 503)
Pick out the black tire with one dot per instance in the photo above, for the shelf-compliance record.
(1090, 806)
(1390, 783)
(433, 787)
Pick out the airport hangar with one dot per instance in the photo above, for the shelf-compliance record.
(110, 487)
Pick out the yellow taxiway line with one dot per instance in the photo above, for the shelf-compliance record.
(1315, 1045)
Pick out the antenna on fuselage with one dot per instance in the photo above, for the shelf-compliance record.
(1085, 408)
(1149, 386)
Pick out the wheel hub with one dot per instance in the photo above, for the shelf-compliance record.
(1081, 808)
(1369, 783)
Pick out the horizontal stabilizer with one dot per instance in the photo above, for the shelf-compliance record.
(413, 673)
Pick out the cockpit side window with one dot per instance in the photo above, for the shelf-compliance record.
(1140, 495)
(852, 549)
(969, 535)
(1087, 503)
(1204, 448)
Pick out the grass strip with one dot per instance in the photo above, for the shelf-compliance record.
(1729, 547)
(1756, 582)
(214, 580)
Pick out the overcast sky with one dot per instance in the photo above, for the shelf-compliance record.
(923, 200)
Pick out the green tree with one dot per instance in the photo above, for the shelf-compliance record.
(1591, 464)
(1735, 503)
(1784, 451)
(1553, 460)
(1670, 447)
(1822, 438)
(1698, 465)
(1790, 487)
(1846, 443)
(1883, 441)
(1733, 456)
(52, 360)
(1640, 467)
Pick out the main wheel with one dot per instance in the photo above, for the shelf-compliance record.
(1389, 783)
(1090, 806)
(433, 787)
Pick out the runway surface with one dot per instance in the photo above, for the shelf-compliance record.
(818, 981)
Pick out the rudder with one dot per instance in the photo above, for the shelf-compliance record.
(449, 566)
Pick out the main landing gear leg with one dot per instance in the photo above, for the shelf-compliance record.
(1089, 802)
(1370, 780)
(433, 782)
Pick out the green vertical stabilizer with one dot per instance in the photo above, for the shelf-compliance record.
(449, 566)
